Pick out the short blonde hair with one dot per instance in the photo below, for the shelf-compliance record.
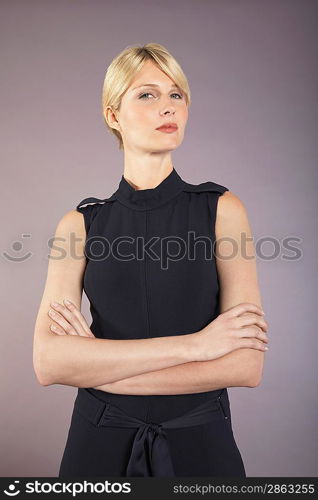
(125, 66)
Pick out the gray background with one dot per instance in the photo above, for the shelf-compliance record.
(252, 127)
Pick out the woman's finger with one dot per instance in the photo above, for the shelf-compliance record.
(253, 331)
(70, 318)
(61, 321)
(77, 313)
(242, 308)
(58, 330)
(250, 319)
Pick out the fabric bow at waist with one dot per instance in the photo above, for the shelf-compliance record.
(150, 454)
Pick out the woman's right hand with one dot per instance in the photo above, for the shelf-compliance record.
(241, 326)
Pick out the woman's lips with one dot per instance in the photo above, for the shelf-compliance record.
(168, 130)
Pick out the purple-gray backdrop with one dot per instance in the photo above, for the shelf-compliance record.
(252, 127)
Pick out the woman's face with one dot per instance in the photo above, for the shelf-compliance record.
(145, 108)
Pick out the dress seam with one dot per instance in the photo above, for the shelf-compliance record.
(147, 300)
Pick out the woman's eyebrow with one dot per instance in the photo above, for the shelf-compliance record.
(153, 85)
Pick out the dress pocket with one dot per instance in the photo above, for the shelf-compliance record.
(222, 408)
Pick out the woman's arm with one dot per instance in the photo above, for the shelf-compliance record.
(237, 270)
(82, 361)
(85, 362)
(198, 376)
(238, 283)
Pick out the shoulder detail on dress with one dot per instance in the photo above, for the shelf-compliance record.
(90, 208)
(94, 201)
(205, 186)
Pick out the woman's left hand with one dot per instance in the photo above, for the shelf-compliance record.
(68, 320)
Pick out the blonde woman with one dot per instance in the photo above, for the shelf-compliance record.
(174, 323)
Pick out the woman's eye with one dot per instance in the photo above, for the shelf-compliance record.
(149, 93)
(142, 95)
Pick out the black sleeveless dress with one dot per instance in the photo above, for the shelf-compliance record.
(151, 272)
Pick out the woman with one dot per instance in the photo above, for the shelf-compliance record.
(174, 323)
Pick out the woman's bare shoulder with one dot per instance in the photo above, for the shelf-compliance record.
(71, 220)
(230, 206)
(231, 217)
(70, 231)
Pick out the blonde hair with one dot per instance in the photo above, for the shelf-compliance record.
(125, 66)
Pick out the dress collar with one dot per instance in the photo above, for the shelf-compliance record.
(144, 199)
